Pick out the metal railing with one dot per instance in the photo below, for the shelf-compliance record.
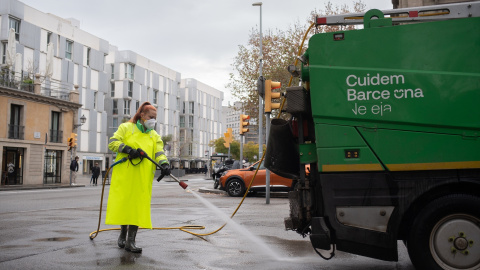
(56, 136)
(24, 81)
(16, 132)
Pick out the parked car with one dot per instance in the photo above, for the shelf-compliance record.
(235, 182)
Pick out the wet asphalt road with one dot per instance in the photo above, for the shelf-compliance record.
(49, 229)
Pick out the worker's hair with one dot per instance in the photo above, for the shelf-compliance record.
(145, 107)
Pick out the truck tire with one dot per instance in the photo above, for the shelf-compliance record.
(446, 234)
(235, 188)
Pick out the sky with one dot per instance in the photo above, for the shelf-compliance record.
(198, 38)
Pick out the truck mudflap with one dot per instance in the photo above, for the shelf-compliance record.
(320, 236)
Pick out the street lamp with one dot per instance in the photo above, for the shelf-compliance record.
(260, 112)
(83, 119)
(260, 105)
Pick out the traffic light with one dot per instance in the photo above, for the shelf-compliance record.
(228, 137)
(74, 140)
(243, 123)
(269, 95)
(70, 142)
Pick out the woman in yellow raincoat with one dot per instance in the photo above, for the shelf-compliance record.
(131, 188)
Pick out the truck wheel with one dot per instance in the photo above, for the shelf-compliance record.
(235, 188)
(446, 234)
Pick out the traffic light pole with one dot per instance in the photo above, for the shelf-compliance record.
(241, 151)
(71, 159)
(267, 171)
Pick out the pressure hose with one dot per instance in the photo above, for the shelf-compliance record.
(142, 155)
(184, 186)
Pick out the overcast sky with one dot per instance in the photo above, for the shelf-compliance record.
(198, 38)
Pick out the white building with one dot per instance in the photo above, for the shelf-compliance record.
(200, 121)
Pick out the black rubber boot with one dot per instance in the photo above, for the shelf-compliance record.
(130, 244)
(123, 236)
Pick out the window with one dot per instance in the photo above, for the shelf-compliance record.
(95, 100)
(183, 109)
(115, 122)
(190, 121)
(191, 107)
(104, 60)
(126, 108)
(4, 52)
(88, 56)
(129, 71)
(182, 121)
(190, 149)
(112, 76)
(115, 107)
(15, 24)
(130, 89)
(49, 37)
(15, 129)
(55, 132)
(112, 89)
(137, 105)
(68, 49)
(155, 96)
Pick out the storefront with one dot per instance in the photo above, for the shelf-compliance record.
(90, 160)
(12, 167)
(52, 170)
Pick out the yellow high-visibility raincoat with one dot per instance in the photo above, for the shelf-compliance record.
(131, 187)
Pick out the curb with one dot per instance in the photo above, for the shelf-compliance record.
(38, 187)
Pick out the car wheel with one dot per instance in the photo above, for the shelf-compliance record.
(446, 234)
(235, 188)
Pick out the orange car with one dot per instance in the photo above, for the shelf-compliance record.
(235, 182)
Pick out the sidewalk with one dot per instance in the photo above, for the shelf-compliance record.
(84, 180)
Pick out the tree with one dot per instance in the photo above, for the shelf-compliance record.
(250, 149)
(219, 147)
(166, 139)
(280, 49)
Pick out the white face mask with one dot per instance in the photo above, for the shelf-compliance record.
(150, 123)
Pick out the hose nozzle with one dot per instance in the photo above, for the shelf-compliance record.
(183, 184)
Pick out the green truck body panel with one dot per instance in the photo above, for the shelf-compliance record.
(388, 122)
(383, 91)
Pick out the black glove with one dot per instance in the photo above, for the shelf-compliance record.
(132, 153)
(165, 169)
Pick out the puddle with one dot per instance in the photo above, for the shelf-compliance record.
(54, 239)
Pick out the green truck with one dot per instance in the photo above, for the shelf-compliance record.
(387, 123)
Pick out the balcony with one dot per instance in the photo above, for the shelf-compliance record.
(56, 136)
(16, 132)
(23, 82)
